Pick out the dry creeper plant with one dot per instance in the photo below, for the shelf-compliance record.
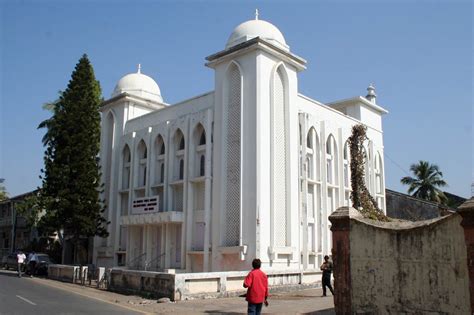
(360, 196)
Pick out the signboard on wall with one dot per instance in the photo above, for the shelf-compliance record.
(145, 205)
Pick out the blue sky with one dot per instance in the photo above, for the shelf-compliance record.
(418, 54)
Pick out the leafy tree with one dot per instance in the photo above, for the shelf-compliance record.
(3, 191)
(424, 185)
(71, 175)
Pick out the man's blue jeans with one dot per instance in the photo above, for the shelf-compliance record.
(254, 309)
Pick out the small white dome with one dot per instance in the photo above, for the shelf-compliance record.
(140, 85)
(256, 28)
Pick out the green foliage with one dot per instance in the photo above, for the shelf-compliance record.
(424, 185)
(71, 175)
(3, 190)
(31, 210)
(360, 196)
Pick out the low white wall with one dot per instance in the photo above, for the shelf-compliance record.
(65, 273)
(183, 286)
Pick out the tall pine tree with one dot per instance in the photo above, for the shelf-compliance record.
(71, 175)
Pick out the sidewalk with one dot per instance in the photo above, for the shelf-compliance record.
(297, 302)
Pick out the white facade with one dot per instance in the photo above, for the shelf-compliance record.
(251, 169)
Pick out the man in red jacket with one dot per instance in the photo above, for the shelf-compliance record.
(256, 283)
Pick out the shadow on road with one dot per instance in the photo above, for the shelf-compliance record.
(219, 312)
(9, 273)
(329, 311)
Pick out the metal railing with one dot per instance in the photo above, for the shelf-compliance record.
(149, 264)
(136, 262)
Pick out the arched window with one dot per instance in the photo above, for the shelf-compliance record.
(332, 174)
(346, 163)
(162, 148)
(378, 175)
(379, 185)
(142, 159)
(126, 157)
(347, 174)
(202, 139)
(179, 145)
(366, 167)
(160, 160)
(199, 144)
(331, 160)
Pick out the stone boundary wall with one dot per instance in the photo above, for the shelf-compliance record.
(400, 267)
(184, 286)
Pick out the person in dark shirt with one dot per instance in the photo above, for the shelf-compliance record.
(326, 267)
(256, 283)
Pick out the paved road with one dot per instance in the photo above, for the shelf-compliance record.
(26, 296)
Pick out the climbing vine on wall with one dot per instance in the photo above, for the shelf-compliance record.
(360, 196)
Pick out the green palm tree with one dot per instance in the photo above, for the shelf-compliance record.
(425, 185)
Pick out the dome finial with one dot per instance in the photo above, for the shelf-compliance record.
(256, 14)
(139, 70)
(371, 96)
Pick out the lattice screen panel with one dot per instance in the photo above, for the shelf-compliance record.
(199, 189)
(232, 147)
(178, 198)
(279, 161)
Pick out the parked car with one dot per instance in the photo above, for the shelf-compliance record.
(10, 262)
(42, 264)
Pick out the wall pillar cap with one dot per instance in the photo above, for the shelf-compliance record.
(467, 206)
(344, 213)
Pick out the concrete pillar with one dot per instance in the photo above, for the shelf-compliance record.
(207, 191)
(304, 201)
(340, 221)
(466, 210)
(324, 189)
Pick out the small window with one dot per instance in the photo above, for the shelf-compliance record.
(181, 169)
(162, 173)
(202, 167)
(162, 149)
(181, 144)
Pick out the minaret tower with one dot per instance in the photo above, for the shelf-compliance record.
(255, 144)
(134, 95)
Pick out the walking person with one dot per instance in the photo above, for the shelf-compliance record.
(20, 258)
(256, 283)
(326, 267)
(32, 260)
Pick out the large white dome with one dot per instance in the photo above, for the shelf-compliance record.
(140, 85)
(256, 28)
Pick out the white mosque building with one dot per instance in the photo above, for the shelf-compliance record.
(250, 169)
